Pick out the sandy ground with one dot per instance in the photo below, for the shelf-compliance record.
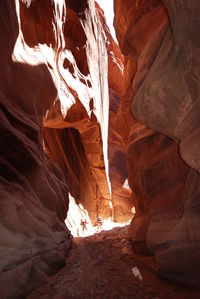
(100, 266)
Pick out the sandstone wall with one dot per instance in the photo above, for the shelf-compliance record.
(60, 71)
(33, 194)
(121, 196)
(76, 125)
(161, 47)
(86, 65)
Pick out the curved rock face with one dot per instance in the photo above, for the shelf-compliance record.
(60, 69)
(169, 98)
(76, 126)
(33, 193)
(160, 88)
(86, 65)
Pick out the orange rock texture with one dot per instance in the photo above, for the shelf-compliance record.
(76, 129)
(33, 193)
(60, 71)
(87, 68)
(161, 71)
(122, 201)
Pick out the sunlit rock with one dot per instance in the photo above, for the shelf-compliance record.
(61, 75)
(79, 115)
(86, 65)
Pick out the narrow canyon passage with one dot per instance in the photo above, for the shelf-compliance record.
(100, 267)
(99, 129)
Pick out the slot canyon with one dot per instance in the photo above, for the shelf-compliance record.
(99, 126)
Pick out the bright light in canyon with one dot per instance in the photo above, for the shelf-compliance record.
(108, 8)
(77, 212)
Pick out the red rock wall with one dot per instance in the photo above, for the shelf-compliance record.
(55, 102)
(161, 92)
(33, 193)
(121, 196)
(87, 68)
(76, 126)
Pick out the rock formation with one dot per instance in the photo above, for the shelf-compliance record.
(75, 134)
(87, 66)
(61, 86)
(121, 194)
(33, 193)
(160, 42)
(60, 69)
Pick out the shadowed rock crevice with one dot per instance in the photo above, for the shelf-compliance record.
(66, 149)
(54, 133)
(33, 203)
(81, 122)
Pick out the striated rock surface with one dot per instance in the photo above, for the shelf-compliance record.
(76, 126)
(161, 90)
(60, 71)
(86, 65)
(61, 85)
(121, 194)
(33, 194)
(168, 99)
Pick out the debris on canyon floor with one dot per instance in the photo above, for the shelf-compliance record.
(137, 273)
(99, 266)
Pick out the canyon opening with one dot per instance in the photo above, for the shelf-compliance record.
(99, 149)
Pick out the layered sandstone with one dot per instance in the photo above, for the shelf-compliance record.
(160, 89)
(86, 65)
(33, 193)
(76, 126)
(121, 196)
(59, 76)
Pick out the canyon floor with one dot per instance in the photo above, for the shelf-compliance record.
(99, 267)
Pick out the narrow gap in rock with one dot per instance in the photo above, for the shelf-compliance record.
(99, 162)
